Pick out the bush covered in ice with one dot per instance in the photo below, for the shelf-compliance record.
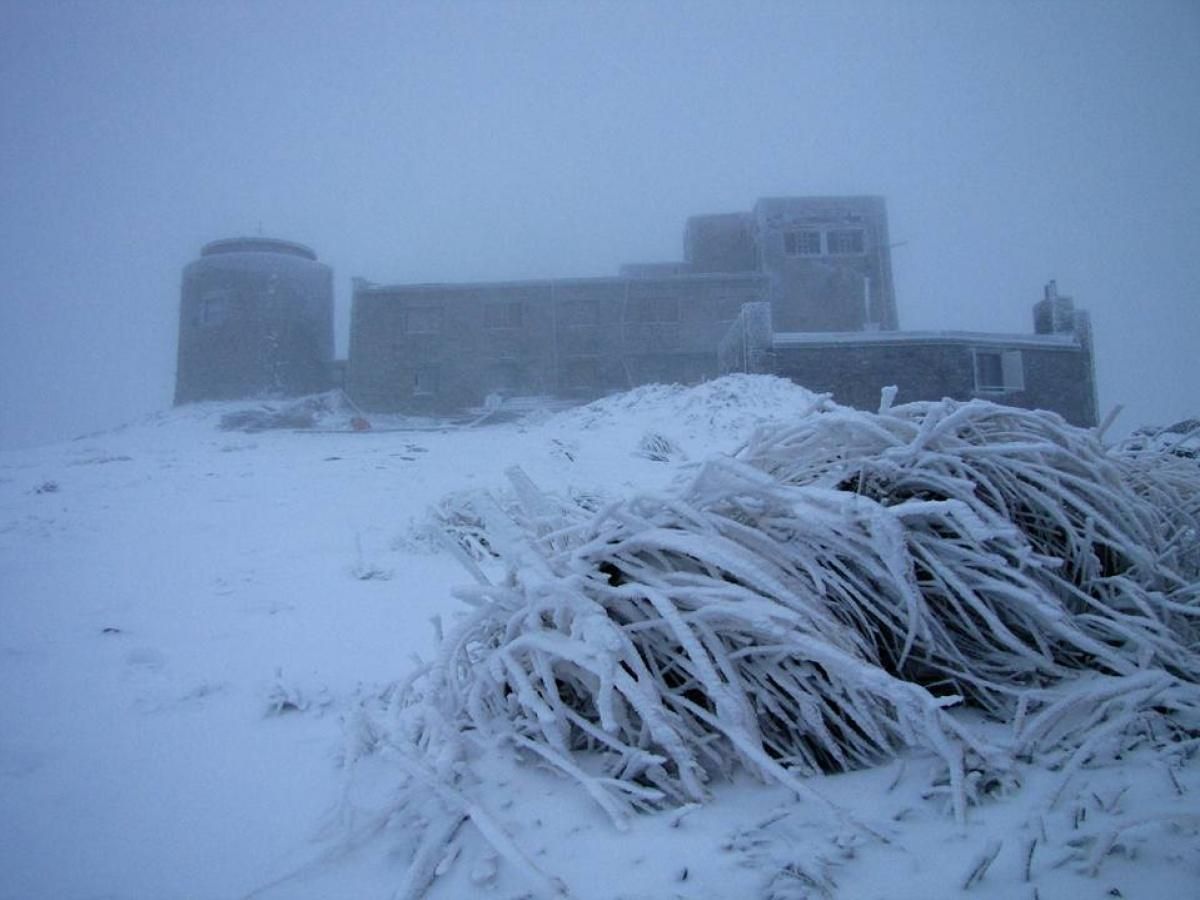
(815, 603)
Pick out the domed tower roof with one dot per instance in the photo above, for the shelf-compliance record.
(257, 245)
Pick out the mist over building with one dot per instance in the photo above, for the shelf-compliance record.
(799, 287)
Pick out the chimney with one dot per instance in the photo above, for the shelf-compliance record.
(1053, 314)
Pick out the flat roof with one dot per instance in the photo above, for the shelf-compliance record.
(785, 339)
(449, 287)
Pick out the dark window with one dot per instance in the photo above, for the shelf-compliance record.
(422, 320)
(845, 240)
(423, 381)
(999, 371)
(214, 309)
(802, 243)
(989, 371)
(502, 315)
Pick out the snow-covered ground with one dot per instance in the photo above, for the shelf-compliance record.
(189, 618)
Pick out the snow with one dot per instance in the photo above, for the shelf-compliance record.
(983, 338)
(195, 625)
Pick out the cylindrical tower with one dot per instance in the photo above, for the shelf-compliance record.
(255, 318)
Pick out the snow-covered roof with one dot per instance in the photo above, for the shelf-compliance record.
(699, 278)
(784, 339)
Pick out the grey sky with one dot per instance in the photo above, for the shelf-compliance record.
(1015, 142)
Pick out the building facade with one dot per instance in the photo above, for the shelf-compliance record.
(821, 263)
(800, 287)
(1052, 368)
(440, 347)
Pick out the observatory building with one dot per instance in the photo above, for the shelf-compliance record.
(799, 287)
(255, 317)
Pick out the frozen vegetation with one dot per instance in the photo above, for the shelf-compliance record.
(723, 641)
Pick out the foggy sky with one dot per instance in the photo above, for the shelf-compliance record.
(1015, 142)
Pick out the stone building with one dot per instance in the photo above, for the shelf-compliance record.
(255, 317)
(1049, 369)
(800, 287)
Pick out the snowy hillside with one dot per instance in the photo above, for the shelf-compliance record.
(200, 629)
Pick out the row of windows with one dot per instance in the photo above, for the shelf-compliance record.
(570, 314)
(836, 241)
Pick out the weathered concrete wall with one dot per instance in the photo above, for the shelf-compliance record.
(255, 317)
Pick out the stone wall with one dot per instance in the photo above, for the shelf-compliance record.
(439, 348)
(1052, 376)
(819, 283)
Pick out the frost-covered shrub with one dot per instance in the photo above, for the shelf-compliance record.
(815, 604)
(1030, 547)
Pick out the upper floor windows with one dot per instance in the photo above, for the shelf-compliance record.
(806, 242)
(836, 241)
(845, 241)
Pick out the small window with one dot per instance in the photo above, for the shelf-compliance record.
(655, 309)
(215, 309)
(502, 315)
(422, 320)
(999, 372)
(802, 243)
(423, 382)
(845, 241)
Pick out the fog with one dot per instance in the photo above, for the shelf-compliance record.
(1015, 142)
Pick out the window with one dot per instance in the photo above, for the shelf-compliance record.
(802, 243)
(999, 371)
(214, 309)
(423, 382)
(845, 241)
(502, 315)
(654, 309)
(423, 320)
